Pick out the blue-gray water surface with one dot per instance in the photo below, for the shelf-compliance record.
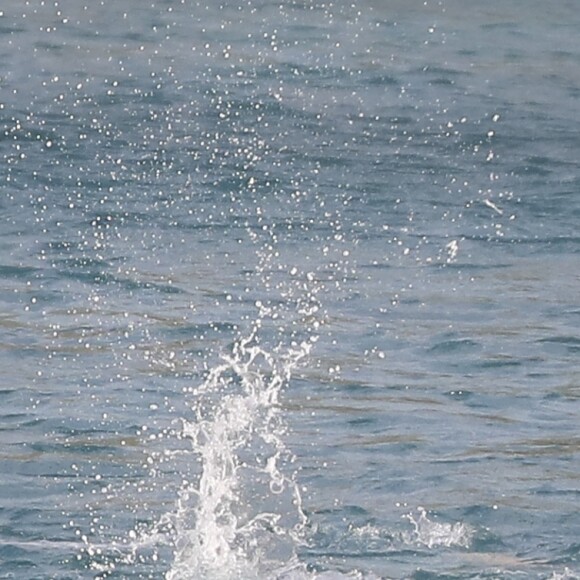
(289, 289)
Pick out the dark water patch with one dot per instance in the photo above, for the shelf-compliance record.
(17, 558)
(17, 417)
(499, 362)
(443, 82)
(564, 340)
(535, 448)
(551, 491)
(362, 422)
(389, 445)
(569, 554)
(382, 79)
(533, 170)
(567, 344)
(453, 346)
(569, 392)
(18, 272)
(460, 394)
(80, 263)
(97, 273)
(377, 265)
(12, 28)
(50, 47)
(470, 266)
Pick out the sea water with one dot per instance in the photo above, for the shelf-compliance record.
(289, 289)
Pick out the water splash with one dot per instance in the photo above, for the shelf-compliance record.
(240, 516)
(434, 534)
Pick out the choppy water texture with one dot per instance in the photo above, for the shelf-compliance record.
(289, 289)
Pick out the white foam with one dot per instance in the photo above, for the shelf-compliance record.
(567, 574)
(241, 517)
(435, 534)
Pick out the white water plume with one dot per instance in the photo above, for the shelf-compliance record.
(434, 534)
(241, 515)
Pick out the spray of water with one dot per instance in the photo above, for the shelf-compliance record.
(435, 534)
(240, 516)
